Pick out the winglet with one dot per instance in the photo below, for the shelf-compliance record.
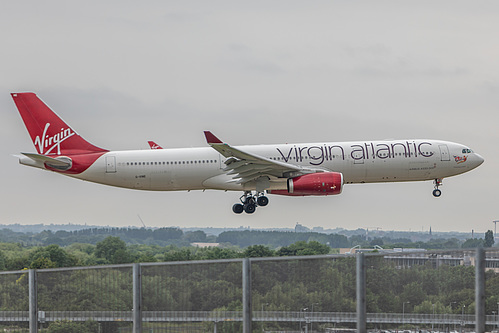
(154, 145)
(211, 138)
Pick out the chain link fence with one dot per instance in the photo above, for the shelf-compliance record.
(417, 291)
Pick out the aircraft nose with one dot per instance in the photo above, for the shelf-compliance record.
(479, 159)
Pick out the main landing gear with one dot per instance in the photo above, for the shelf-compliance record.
(249, 202)
(436, 192)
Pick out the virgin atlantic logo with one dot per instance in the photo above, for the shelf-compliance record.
(46, 144)
(460, 159)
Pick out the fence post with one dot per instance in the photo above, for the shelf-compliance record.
(137, 298)
(361, 293)
(247, 296)
(33, 301)
(480, 290)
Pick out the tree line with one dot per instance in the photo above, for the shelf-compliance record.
(235, 244)
(113, 250)
(241, 239)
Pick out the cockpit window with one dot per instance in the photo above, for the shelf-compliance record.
(467, 151)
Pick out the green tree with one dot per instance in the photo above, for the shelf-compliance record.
(3, 261)
(176, 254)
(53, 254)
(257, 251)
(472, 243)
(42, 262)
(211, 253)
(121, 256)
(113, 249)
(303, 248)
(195, 236)
(489, 239)
(167, 233)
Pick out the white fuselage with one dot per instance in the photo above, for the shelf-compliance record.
(359, 162)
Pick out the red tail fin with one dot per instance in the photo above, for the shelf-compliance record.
(50, 134)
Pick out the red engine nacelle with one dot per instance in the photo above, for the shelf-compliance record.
(323, 183)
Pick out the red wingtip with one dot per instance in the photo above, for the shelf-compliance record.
(210, 138)
(154, 145)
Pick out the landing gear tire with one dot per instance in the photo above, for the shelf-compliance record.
(436, 192)
(249, 202)
(262, 201)
(238, 208)
(250, 208)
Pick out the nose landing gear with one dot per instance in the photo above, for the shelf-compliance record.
(249, 202)
(436, 192)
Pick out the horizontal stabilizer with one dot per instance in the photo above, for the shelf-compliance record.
(48, 160)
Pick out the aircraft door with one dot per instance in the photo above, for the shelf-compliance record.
(110, 164)
(444, 153)
(221, 163)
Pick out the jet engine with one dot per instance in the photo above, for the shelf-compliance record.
(323, 183)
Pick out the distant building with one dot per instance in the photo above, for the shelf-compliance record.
(205, 244)
(301, 228)
(407, 257)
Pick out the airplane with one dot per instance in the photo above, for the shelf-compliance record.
(301, 169)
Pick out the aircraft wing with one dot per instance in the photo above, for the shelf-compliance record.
(247, 167)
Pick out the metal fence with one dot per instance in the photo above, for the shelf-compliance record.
(437, 291)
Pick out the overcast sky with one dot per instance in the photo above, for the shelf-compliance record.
(124, 72)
